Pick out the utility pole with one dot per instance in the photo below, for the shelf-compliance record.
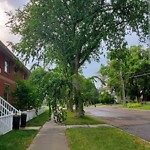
(123, 89)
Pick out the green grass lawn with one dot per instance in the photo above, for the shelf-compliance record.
(72, 120)
(103, 138)
(17, 139)
(138, 106)
(39, 120)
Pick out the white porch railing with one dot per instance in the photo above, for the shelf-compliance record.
(7, 107)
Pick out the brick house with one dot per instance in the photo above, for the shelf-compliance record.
(11, 70)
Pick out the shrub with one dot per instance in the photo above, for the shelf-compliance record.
(23, 95)
(106, 98)
(133, 105)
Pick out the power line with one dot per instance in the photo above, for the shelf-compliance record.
(140, 75)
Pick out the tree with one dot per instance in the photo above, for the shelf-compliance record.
(138, 78)
(51, 85)
(134, 66)
(72, 31)
(37, 78)
(89, 93)
(106, 98)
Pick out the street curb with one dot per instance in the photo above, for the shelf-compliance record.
(88, 126)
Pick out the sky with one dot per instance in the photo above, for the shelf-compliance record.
(5, 35)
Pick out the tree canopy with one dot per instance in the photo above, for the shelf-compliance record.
(134, 66)
(70, 32)
(76, 28)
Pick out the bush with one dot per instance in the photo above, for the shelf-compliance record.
(60, 115)
(106, 98)
(23, 95)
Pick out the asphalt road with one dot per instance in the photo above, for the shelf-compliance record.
(136, 122)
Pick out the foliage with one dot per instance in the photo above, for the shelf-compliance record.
(36, 78)
(51, 85)
(85, 120)
(134, 67)
(104, 138)
(67, 32)
(65, 27)
(60, 115)
(89, 93)
(138, 78)
(24, 95)
(106, 98)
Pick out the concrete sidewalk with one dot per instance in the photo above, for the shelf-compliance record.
(50, 137)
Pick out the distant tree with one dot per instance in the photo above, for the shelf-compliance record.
(138, 76)
(106, 98)
(134, 67)
(89, 93)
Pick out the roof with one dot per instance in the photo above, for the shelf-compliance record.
(11, 56)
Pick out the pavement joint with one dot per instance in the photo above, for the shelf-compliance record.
(88, 126)
(31, 128)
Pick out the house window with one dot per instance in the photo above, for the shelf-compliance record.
(6, 66)
(6, 90)
(15, 69)
(24, 76)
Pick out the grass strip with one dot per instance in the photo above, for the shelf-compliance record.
(86, 120)
(138, 106)
(39, 120)
(103, 138)
(17, 139)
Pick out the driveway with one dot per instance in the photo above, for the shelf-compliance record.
(136, 122)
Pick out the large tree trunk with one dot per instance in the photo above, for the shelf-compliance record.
(78, 100)
(79, 110)
(70, 106)
(70, 100)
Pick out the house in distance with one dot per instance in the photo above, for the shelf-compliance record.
(11, 70)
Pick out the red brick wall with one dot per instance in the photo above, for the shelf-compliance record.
(8, 78)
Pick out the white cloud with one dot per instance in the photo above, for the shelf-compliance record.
(6, 6)
(15, 3)
(4, 32)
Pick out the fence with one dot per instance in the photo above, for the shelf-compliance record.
(7, 119)
(6, 116)
(6, 123)
(32, 113)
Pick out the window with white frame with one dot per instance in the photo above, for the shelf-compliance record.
(6, 68)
